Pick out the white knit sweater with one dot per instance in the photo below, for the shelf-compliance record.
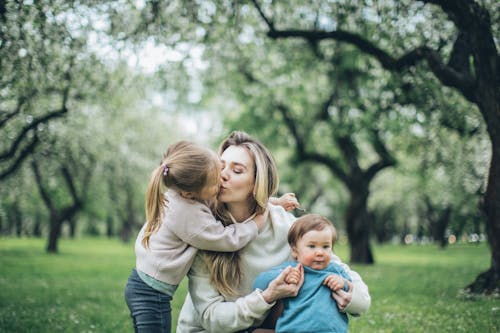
(206, 310)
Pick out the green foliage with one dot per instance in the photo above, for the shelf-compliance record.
(414, 289)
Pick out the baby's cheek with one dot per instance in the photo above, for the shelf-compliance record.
(307, 259)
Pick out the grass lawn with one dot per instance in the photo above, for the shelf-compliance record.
(414, 289)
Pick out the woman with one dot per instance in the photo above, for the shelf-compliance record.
(220, 297)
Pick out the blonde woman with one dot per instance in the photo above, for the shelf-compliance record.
(221, 298)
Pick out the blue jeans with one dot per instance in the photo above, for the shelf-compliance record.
(149, 308)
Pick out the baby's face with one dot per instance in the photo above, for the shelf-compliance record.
(314, 249)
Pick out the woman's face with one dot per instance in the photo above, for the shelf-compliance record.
(237, 176)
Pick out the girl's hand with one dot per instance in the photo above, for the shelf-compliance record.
(279, 288)
(288, 201)
(334, 282)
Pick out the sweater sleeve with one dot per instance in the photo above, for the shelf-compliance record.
(361, 299)
(218, 314)
(199, 228)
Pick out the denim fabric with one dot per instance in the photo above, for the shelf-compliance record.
(150, 309)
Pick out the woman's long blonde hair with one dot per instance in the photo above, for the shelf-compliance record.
(185, 167)
(225, 270)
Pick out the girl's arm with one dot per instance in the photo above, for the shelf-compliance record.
(199, 228)
(288, 201)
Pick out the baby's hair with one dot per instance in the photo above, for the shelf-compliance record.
(185, 167)
(309, 222)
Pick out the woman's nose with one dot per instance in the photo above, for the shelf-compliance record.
(224, 174)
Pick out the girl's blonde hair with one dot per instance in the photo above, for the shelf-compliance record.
(185, 167)
(225, 270)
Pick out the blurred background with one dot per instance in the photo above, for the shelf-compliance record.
(381, 115)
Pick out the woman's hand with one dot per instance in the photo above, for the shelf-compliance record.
(279, 288)
(343, 298)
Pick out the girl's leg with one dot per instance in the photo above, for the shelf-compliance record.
(150, 309)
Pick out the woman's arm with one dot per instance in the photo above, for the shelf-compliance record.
(359, 300)
(220, 315)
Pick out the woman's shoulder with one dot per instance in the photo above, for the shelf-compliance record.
(280, 216)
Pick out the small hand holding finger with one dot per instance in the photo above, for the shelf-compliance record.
(293, 277)
(334, 282)
(343, 298)
(279, 288)
(301, 279)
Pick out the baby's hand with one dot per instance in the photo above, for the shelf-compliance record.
(293, 277)
(334, 282)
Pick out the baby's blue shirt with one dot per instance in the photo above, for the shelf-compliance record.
(314, 309)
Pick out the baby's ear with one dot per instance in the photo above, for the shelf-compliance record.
(294, 252)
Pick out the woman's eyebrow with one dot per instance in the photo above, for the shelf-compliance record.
(239, 164)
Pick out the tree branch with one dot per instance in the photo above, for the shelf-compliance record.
(43, 193)
(323, 113)
(27, 151)
(447, 75)
(269, 23)
(32, 126)
(386, 158)
(302, 152)
(68, 178)
(13, 150)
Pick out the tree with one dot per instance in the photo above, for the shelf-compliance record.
(331, 136)
(472, 69)
(62, 212)
(37, 60)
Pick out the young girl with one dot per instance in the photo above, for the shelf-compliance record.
(179, 222)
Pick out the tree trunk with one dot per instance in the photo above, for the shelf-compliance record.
(37, 227)
(489, 281)
(72, 227)
(18, 219)
(109, 226)
(129, 219)
(358, 227)
(439, 220)
(54, 233)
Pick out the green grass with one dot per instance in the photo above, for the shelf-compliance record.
(414, 289)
